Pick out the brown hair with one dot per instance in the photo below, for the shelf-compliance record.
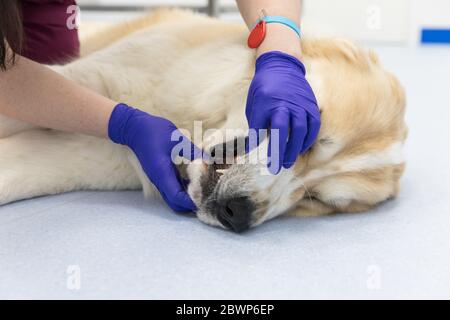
(10, 32)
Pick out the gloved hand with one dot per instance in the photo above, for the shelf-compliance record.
(150, 139)
(280, 98)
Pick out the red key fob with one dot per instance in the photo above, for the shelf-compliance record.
(257, 35)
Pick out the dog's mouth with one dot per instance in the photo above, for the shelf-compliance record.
(220, 200)
(220, 158)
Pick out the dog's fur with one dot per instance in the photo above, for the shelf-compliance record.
(188, 67)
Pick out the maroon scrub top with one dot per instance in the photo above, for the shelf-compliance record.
(47, 37)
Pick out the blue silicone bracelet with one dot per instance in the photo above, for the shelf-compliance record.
(283, 20)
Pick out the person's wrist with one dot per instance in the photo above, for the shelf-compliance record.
(280, 38)
(117, 126)
(281, 60)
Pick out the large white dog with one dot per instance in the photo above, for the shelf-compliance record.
(187, 67)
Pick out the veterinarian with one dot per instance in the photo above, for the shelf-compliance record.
(279, 95)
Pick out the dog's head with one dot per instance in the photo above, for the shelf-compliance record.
(355, 163)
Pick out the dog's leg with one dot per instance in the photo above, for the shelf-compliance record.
(41, 162)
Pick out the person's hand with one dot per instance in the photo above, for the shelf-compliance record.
(150, 138)
(281, 98)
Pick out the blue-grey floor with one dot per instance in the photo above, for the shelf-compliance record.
(117, 245)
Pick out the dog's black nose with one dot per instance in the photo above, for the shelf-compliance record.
(236, 214)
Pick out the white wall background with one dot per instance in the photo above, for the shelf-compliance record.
(365, 20)
(429, 13)
(391, 21)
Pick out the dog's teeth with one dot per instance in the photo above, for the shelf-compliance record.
(221, 171)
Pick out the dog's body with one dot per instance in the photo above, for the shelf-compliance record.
(187, 68)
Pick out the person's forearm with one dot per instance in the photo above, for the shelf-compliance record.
(278, 37)
(35, 94)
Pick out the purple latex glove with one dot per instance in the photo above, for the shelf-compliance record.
(150, 139)
(281, 98)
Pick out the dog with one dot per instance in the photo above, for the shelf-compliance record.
(187, 67)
